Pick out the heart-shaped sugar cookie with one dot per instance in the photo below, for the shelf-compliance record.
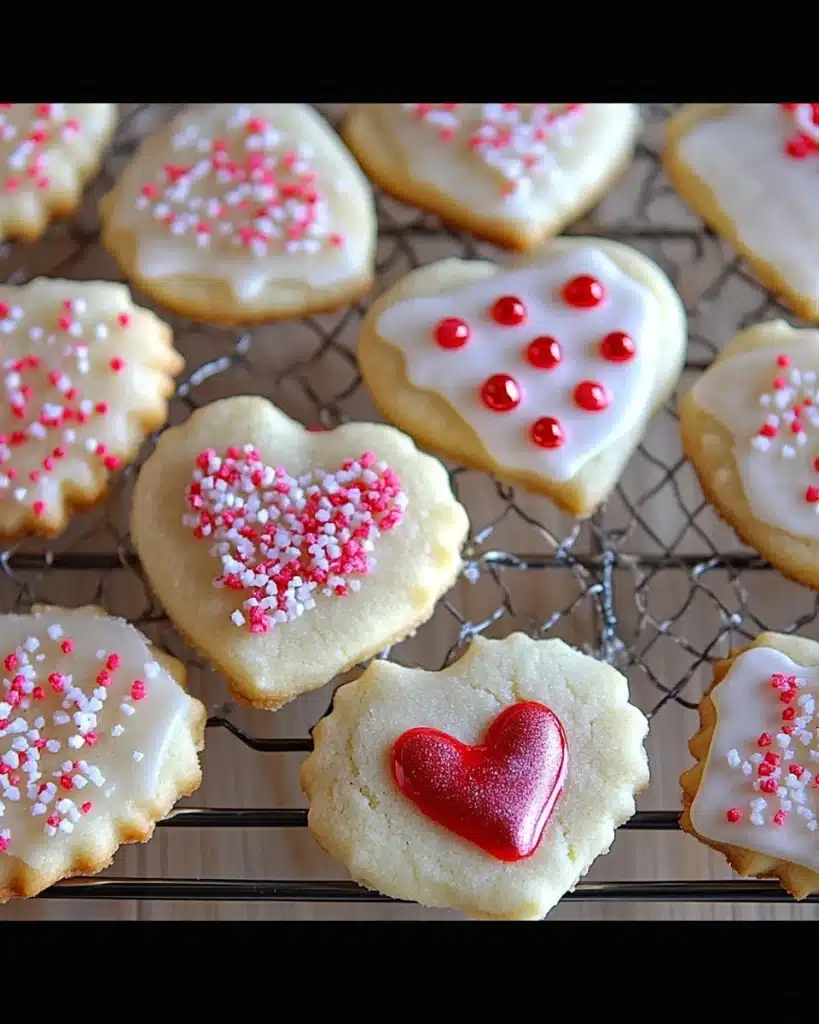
(241, 213)
(288, 556)
(751, 170)
(514, 173)
(544, 374)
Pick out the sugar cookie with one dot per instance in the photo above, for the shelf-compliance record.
(48, 152)
(288, 556)
(512, 173)
(86, 376)
(769, 213)
(241, 214)
(754, 793)
(499, 830)
(544, 373)
(750, 426)
(98, 741)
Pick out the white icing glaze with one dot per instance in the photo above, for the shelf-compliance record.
(234, 215)
(42, 147)
(772, 198)
(75, 370)
(118, 769)
(748, 706)
(457, 374)
(776, 471)
(529, 177)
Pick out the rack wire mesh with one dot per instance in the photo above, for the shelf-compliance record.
(652, 583)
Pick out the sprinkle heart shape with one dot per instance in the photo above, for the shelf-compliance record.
(282, 540)
(498, 795)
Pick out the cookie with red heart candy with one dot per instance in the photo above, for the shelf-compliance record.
(753, 794)
(287, 556)
(544, 373)
(489, 787)
(513, 173)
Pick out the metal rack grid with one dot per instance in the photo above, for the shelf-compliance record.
(621, 550)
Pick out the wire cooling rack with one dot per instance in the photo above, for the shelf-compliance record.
(652, 583)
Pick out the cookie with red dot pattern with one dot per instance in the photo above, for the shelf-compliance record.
(243, 213)
(544, 373)
(98, 741)
(753, 794)
(48, 153)
(86, 375)
(772, 220)
(287, 556)
(489, 787)
(512, 173)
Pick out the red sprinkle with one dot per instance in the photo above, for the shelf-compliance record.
(592, 396)
(734, 814)
(547, 432)
(452, 332)
(508, 310)
(544, 352)
(583, 292)
(501, 393)
(618, 347)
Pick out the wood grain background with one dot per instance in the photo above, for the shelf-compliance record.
(676, 605)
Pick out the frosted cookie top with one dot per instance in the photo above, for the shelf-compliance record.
(81, 368)
(767, 398)
(86, 713)
(246, 194)
(522, 161)
(760, 786)
(44, 148)
(549, 364)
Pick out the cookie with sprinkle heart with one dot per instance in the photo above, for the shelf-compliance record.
(512, 173)
(240, 214)
(48, 153)
(544, 372)
(98, 741)
(287, 556)
(489, 787)
(86, 377)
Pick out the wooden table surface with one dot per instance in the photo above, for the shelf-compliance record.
(673, 611)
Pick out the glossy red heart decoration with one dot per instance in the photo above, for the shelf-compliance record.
(498, 795)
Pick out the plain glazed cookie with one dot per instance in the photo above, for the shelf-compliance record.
(489, 787)
(288, 556)
(754, 793)
(98, 741)
(512, 173)
(86, 376)
(240, 214)
(750, 426)
(48, 152)
(749, 170)
(543, 373)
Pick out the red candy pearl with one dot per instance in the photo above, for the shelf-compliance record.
(500, 392)
(452, 332)
(544, 353)
(591, 396)
(508, 311)
(583, 292)
(618, 347)
(547, 432)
